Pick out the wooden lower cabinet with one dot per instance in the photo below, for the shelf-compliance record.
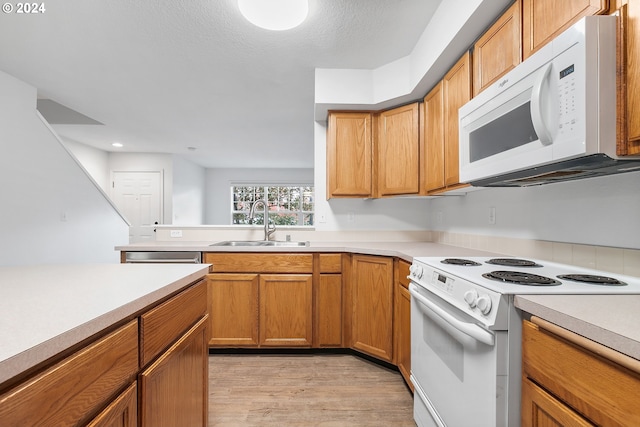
(541, 409)
(372, 301)
(122, 412)
(286, 310)
(72, 391)
(233, 302)
(565, 383)
(403, 320)
(174, 388)
(105, 384)
(329, 311)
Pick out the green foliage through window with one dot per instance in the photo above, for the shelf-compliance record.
(287, 205)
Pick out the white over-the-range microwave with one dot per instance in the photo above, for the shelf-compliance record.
(552, 118)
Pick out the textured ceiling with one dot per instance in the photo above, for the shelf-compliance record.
(164, 75)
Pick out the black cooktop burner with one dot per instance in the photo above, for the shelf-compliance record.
(513, 262)
(521, 278)
(460, 261)
(592, 280)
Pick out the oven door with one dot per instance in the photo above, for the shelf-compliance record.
(455, 366)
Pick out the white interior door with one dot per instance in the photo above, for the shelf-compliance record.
(138, 195)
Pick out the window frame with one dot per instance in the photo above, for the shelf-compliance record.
(300, 214)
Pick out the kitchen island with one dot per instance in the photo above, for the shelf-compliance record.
(126, 325)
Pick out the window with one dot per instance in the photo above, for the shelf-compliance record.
(288, 205)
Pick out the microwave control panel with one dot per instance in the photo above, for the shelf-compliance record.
(567, 97)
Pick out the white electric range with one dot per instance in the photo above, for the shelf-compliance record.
(466, 332)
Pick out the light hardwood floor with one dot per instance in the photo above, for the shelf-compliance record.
(305, 390)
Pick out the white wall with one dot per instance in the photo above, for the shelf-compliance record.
(188, 192)
(218, 184)
(95, 162)
(52, 212)
(597, 211)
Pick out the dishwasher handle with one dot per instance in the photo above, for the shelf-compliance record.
(439, 315)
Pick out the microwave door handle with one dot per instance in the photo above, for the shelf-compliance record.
(445, 320)
(541, 128)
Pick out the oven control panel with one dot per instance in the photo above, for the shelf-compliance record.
(479, 302)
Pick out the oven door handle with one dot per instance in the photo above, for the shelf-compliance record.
(439, 315)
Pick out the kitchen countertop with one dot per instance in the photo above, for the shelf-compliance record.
(404, 250)
(611, 320)
(45, 309)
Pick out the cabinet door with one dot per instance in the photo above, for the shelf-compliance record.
(174, 388)
(540, 409)
(372, 298)
(398, 151)
(542, 20)
(349, 155)
(629, 110)
(286, 310)
(434, 139)
(403, 321)
(122, 412)
(456, 92)
(329, 310)
(233, 308)
(498, 50)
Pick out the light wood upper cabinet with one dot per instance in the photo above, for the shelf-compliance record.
(398, 151)
(456, 87)
(372, 300)
(628, 56)
(441, 128)
(349, 154)
(542, 20)
(433, 124)
(498, 50)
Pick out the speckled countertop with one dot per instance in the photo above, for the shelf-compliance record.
(404, 250)
(611, 320)
(45, 309)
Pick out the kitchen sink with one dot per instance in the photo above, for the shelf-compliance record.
(260, 243)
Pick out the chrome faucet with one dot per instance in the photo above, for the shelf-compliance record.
(269, 229)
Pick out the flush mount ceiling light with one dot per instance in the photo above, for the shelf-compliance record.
(274, 14)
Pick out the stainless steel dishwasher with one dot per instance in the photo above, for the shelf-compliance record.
(174, 257)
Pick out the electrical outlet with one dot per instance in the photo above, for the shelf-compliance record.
(439, 217)
(322, 218)
(492, 215)
(176, 233)
(351, 217)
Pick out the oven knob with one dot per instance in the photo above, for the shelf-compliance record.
(471, 297)
(484, 304)
(416, 271)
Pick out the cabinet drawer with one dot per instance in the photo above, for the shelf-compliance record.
(598, 389)
(259, 263)
(162, 325)
(330, 263)
(71, 392)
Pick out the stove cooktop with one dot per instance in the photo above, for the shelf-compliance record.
(511, 275)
